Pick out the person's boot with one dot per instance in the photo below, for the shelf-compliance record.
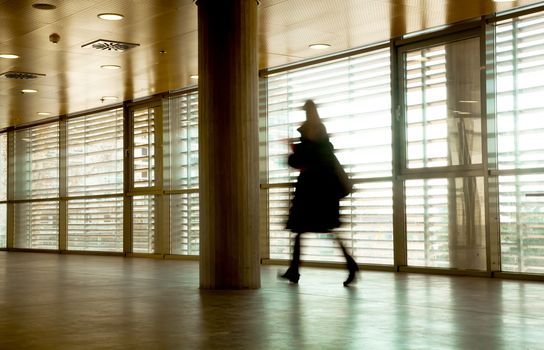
(353, 268)
(291, 274)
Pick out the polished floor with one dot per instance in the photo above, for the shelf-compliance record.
(51, 301)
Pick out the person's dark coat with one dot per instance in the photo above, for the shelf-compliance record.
(315, 206)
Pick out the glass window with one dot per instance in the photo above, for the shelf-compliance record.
(181, 143)
(354, 101)
(445, 223)
(519, 61)
(95, 154)
(143, 224)
(442, 98)
(37, 162)
(3, 187)
(95, 224)
(143, 137)
(37, 225)
(184, 224)
(181, 172)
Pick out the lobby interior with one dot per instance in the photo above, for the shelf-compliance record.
(144, 187)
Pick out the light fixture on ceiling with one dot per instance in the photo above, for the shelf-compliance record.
(194, 76)
(503, 0)
(110, 66)
(29, 91)
(319, 46)
(109, 98)
(43, 113)
(110, 16)
(44, 6)
(468, 101)
(8, 55)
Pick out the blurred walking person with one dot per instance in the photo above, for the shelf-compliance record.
(320, 185)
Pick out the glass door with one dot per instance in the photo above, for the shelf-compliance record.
(145, 182)
(441, 164)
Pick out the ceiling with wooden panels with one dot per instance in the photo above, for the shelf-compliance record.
(166, 31)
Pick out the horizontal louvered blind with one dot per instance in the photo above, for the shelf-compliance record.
(3, 225)
(184, 224)
(181, 155)
(519, 59)
(95, 154)
(96, 224)
(353, 95)
(143, 134)
(182, 171)
(3, 166)
(37, 225)
(143, 224)
(3, 187)
(520, 87)
(37, 162)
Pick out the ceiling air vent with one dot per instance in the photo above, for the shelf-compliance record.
(21, 75)
(110, 45)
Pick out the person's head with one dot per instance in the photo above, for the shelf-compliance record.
(312, 129)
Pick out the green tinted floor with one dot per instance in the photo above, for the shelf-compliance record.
(51, 301)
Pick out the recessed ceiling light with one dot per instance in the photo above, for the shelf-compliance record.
(111, 16)
(43, 113)
(29, 91)
(8, 55)
(461, 112)
(109, 98)
(110, 66)
(194, 76)
(320, 46)
(44, 6)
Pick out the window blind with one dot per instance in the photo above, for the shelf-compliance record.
(353, 95)
(519, 60)
(181, 174)
(37, 162)
(3, 187)
(95, 154)
(144, 147)
(95, 224)
(143, 224)
(37, 225)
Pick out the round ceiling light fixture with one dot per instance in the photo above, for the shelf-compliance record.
(110, 66)
(29, 91)
(44, 6)
(109, 98)
(110, 16)
(9, 55)
(319, 46)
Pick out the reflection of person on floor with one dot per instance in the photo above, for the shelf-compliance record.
(315, 206)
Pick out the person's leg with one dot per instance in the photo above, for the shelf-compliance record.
(351, 264)
(292, 272)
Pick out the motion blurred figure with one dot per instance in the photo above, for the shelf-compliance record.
(319, 188)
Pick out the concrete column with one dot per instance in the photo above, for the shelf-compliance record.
(228, 144)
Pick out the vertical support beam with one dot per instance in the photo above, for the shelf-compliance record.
(228, 144)
(127, 180)
(399, 160)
